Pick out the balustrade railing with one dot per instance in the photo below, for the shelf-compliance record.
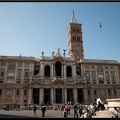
(50, 80)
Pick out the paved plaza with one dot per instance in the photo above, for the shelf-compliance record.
(48, 114)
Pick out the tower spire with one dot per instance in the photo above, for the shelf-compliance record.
(73, 20)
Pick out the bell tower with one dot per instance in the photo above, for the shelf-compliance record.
(75, 42)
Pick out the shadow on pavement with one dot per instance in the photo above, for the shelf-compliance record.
(12, 116)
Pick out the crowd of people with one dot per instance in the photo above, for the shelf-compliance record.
(80, 111)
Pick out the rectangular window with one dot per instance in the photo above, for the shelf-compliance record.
(108, 82)
(107, 75)
(112, 75)
(2, 73)
(93, 75)
(1, 81)
(94, 82)
(26, 74)
(109, 92)
(3, 64)
(19, 74)
(20, 64)
(17, 92)
(115, 92)
(88, 92)
(0, 92)
(25, 92)
(18, 81)
(95, 93)
(87, 75)
(101, 82)
(114, 82)
(27, 64)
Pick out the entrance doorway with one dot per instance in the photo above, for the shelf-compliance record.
(58, 95)
(70, 95)
(80, 95)
(35, 97)
(46, 96)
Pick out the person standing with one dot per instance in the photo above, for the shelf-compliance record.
(43, 109)
(80, 110)
(34, 111)
(75, 111)
(65, 113)
(98, 101)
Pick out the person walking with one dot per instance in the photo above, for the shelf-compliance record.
(34, 111)
(43, 109)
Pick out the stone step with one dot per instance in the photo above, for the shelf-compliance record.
(102, 114)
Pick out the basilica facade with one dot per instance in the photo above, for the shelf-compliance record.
(57, 78)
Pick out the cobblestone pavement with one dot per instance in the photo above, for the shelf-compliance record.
(48, 114)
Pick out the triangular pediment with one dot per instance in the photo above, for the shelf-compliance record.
(58, 58)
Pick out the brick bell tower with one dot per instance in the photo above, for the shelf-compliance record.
(75, 42)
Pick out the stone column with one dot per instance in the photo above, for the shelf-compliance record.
(30, 96)
(97, 77)
(41, 69)
(91, 77)
(52, 70)
(14, 95)
(23, 73)
(65, 92)
(54, 96)
(6, 72)
(118, 92)
(98, 92)
(92, 94)
(106, 90)
(85, 95)
(110, 77)
(104, 76)
(112, 91)
(116, 76)
(41, 95)
(74, 71)
(63, 95)
(75, 94)
(51, 94)
(64, 71)
(21, 95)
(3, 95)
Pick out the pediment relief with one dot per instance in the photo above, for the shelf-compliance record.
(58, 81)
(58, 58)
(80, 82)
(36, 82)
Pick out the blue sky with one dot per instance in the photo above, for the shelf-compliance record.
(32, 27)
